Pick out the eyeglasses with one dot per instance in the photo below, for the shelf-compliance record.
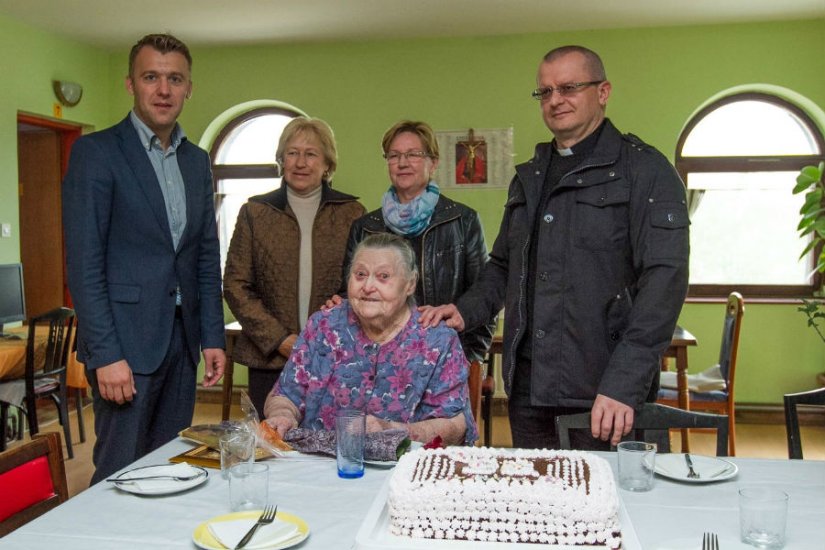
(309, 156)
(564, 90)
(394, 157)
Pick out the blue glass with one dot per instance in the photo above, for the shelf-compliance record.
(350, 435)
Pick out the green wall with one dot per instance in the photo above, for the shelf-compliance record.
(660, 76)
(31, 60)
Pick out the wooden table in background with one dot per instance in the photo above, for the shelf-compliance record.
(679, 344)
(13, 352)
(232, 331)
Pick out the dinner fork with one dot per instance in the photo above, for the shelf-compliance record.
(710, 542)
(133, 479)
(691, 472)
(267, 517)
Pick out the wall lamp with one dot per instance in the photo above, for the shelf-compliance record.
(68, 93)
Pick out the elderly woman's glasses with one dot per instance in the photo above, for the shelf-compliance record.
(394, 157)
(564, 90)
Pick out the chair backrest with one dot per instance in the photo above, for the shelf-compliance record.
(56, 353)
(474, 382)
(32, 481)
(813, 397)
(731, 327)
(651, 424)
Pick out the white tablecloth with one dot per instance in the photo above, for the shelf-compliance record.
(106, 518)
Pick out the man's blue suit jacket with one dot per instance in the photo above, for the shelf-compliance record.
(122, 266)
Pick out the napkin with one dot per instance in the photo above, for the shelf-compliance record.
(147, 485)
(382, 446)
(230, 533)
(708, 380)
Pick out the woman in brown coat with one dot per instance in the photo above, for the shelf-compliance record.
(287, 252)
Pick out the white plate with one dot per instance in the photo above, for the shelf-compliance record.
(709, 468)
(203, 538)
(158, 486)
(374, 534)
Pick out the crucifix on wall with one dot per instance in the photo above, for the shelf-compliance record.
(471, 160)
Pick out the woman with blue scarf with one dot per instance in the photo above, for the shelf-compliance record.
(446, 235)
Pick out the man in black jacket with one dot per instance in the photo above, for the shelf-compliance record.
(591, 262)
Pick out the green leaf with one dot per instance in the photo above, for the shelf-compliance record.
(813, 200)
(802, 183)
(808, 248)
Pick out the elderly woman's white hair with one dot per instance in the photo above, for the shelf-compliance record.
(406, 255)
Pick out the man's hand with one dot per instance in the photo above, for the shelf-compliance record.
(431, 316)
(610, 419)
(286, 346)
(115, 382)
(214, 361)
(335, 300)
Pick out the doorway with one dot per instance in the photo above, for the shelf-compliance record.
(43, 147)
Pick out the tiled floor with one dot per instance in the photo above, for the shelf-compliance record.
(753, 440)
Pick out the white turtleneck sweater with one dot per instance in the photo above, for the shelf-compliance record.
(305, 207)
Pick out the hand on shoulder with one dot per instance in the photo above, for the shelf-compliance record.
(432, 315)
(335, 300)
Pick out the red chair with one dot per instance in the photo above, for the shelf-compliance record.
(32, 481)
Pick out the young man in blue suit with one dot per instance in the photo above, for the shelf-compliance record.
(143, 262)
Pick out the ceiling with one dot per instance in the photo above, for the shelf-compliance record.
(119, 23)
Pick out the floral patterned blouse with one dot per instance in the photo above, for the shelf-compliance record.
(418, 375)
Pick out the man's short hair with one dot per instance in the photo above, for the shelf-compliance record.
(164, 43)
(592, 60)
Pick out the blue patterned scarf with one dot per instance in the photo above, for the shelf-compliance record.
(412, 218)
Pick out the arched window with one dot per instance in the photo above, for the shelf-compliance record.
(739, 157)
(243, 163)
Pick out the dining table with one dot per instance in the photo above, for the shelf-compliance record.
(674, 514)
(13, 351)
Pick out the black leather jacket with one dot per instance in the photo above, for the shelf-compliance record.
(611, 273)
(454, 253)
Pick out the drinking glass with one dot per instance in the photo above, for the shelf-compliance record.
(350, 433)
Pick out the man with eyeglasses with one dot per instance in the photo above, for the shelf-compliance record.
(591, 262)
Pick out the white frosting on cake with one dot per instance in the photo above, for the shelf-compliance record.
(518, 495)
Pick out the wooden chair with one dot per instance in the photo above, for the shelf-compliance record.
(488, 389)
(474, 383)
(76, 382)
(51, 380)
(719, 401)
(813, 397)
(652, 424)
(32, 481)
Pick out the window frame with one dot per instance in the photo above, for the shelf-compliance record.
(245, 171)
(241, 171)
(778, 163)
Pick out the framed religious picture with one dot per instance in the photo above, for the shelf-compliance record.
(480, 158)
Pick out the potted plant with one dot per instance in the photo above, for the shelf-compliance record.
(810, 181)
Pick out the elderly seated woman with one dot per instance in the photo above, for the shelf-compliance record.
(370, 353)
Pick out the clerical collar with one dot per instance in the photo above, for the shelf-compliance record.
(583, 147)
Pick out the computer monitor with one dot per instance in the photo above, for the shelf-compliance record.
(12, 297)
